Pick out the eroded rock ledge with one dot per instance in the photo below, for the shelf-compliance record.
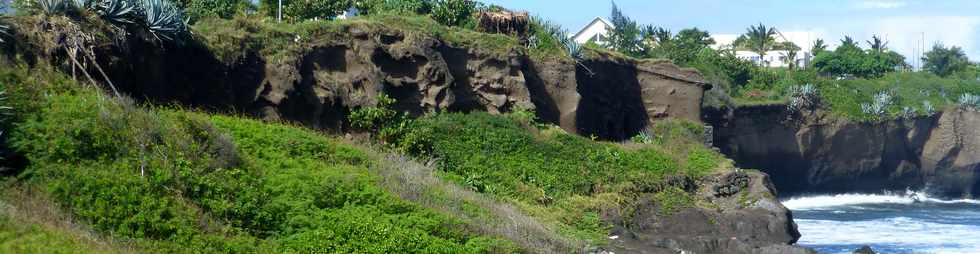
(820, 153)
(603, 95)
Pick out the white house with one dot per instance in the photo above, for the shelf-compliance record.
(596, 31)
(775, 58)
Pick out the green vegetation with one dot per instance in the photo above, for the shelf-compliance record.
(231, 39)
(850, 60)
(557, 177)
(945, 61)
(872, 84)
(161, 18)
(173, 181)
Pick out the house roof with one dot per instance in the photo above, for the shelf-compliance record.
(595, 21)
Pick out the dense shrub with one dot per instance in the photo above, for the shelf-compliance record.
(454, 12)
(199, 9)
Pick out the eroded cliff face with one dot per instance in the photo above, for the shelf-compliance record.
(820, 153)
(603, 95)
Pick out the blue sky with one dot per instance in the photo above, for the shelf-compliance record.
(903, 22)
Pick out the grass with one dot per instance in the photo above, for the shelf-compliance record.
(231, 39)
(844, 98)
(173, 181)
(31, 223)
(560, 178)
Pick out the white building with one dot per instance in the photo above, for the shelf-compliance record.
(775, 58)
(596, 31)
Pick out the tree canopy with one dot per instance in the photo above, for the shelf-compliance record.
(850, 60)
(945, 61)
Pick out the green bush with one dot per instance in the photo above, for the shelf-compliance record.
(454, 12)
(226, 9)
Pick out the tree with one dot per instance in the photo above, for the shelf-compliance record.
(453, 12)
(682, 48)
(945, 61)
(877, 44)
(695, 38)
(226, 9)
(850, 59)
(625, 36)
(759, 39)
(789, 58)
(299, 10)
(819, 46)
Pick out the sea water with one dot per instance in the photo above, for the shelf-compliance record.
(891, 223)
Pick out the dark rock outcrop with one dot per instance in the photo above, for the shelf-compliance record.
(821, 153)
(743, 216)
(606, 96)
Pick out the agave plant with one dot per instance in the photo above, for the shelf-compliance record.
(115, 11)
(4, 32)
(928, 108)
(60, 6)
(803, 97)
(909, 112)
(970, 100)
(879, 105)
(162, 18)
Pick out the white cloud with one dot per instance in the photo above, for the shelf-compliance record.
(905, 34)
(881, 4)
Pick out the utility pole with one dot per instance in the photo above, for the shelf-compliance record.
(279, 17)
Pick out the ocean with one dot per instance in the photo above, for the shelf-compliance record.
(891, 223)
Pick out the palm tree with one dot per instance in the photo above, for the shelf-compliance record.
(759, 39)
(789, 58)
(818, 46)
(848, 42)
(877, 44)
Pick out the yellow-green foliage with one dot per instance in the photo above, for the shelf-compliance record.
(21, 237)
(179, 182)
(557, 176)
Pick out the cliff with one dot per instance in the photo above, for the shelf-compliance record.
(821, 153)
(316, 77)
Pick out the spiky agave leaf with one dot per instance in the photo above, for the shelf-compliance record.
(60, 6)
(4, 32)
(115, 11)
(162, 18)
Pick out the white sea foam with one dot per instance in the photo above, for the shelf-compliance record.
(916, 236)
(831, 201)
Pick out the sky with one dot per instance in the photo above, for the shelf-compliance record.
(903, 23)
